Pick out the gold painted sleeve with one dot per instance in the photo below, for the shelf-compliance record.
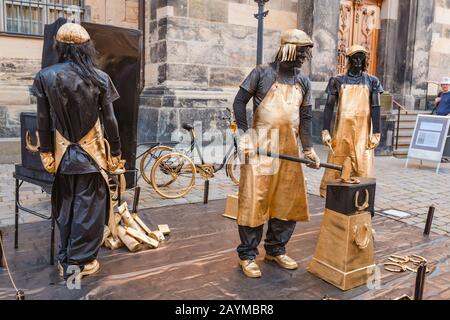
(48, 161)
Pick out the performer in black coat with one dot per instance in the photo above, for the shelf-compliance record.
(73, 96)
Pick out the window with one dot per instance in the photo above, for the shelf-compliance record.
(29, 17)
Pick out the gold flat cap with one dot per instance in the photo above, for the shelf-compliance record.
(297, 37)
(355, 49)
(72, 33)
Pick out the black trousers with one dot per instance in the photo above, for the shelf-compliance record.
(278, 234)
(79, 204)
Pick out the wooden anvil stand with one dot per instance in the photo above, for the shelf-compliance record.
(344, 253)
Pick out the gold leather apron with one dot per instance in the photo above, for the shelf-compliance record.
(351, 135)
(272, 188)
(93, 144)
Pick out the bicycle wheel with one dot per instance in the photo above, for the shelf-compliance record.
(173, 175)
(149, 159)
(234, 168)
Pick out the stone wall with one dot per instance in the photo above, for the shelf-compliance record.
(120, 13)
(200, 50)
(20, 59)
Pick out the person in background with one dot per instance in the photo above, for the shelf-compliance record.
(443, 99)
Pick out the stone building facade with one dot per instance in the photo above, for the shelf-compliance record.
(198, 51)
(21, 50)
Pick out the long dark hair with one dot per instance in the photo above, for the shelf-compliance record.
(83, 56)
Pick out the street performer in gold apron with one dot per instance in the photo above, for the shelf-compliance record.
(357, 128)
(273, 190)
(72, 98)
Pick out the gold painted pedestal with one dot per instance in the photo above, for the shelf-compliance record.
(344, 254)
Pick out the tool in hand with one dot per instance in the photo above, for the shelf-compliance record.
(299, 160)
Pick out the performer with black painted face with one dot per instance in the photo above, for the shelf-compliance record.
(357, 128)
(72, 97)
(273, 190)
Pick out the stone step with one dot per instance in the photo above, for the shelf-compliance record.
(405, 132)
(15, 96)
(416, 112)
(407, 125)
(408, 118)
(404, 141)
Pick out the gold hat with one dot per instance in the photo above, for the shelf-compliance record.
(355, 49)
(72, 33)
(297, 37)
(290, 39)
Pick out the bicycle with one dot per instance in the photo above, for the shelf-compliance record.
(151, 155)
(173, 174)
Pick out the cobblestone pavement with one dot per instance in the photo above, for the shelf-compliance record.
(411, 190)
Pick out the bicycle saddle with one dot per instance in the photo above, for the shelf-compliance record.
(187, 127)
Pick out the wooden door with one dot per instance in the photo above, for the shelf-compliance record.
(359, 23)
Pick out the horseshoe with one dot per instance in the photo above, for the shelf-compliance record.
(29, 145)
(365, 205)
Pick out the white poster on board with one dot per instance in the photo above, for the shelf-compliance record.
(429, 138)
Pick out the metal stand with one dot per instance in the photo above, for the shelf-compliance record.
(420, 281)
(137, 195)
(430, 216)
(1, 251)
(438, 167)
(18, 206)
(260, 16)
(206, 194)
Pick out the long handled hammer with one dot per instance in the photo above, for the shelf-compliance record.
(299, 160)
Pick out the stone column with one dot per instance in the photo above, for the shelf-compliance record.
(422, 51)
(325, 23)
(440, 47)
(387, 43)
(1, 18)
(404, 49)
(320, 19)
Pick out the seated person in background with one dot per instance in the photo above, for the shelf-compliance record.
(443, 99)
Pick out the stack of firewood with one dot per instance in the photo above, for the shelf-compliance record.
(132, 232)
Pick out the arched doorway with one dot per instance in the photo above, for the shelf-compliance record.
(359, 23)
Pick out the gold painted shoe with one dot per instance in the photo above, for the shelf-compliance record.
(250, 268)
(283, 261)
(61, 270)
(89, 269)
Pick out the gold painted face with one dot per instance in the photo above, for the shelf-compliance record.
(302, 54)
(72, 33)
(357, 60)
